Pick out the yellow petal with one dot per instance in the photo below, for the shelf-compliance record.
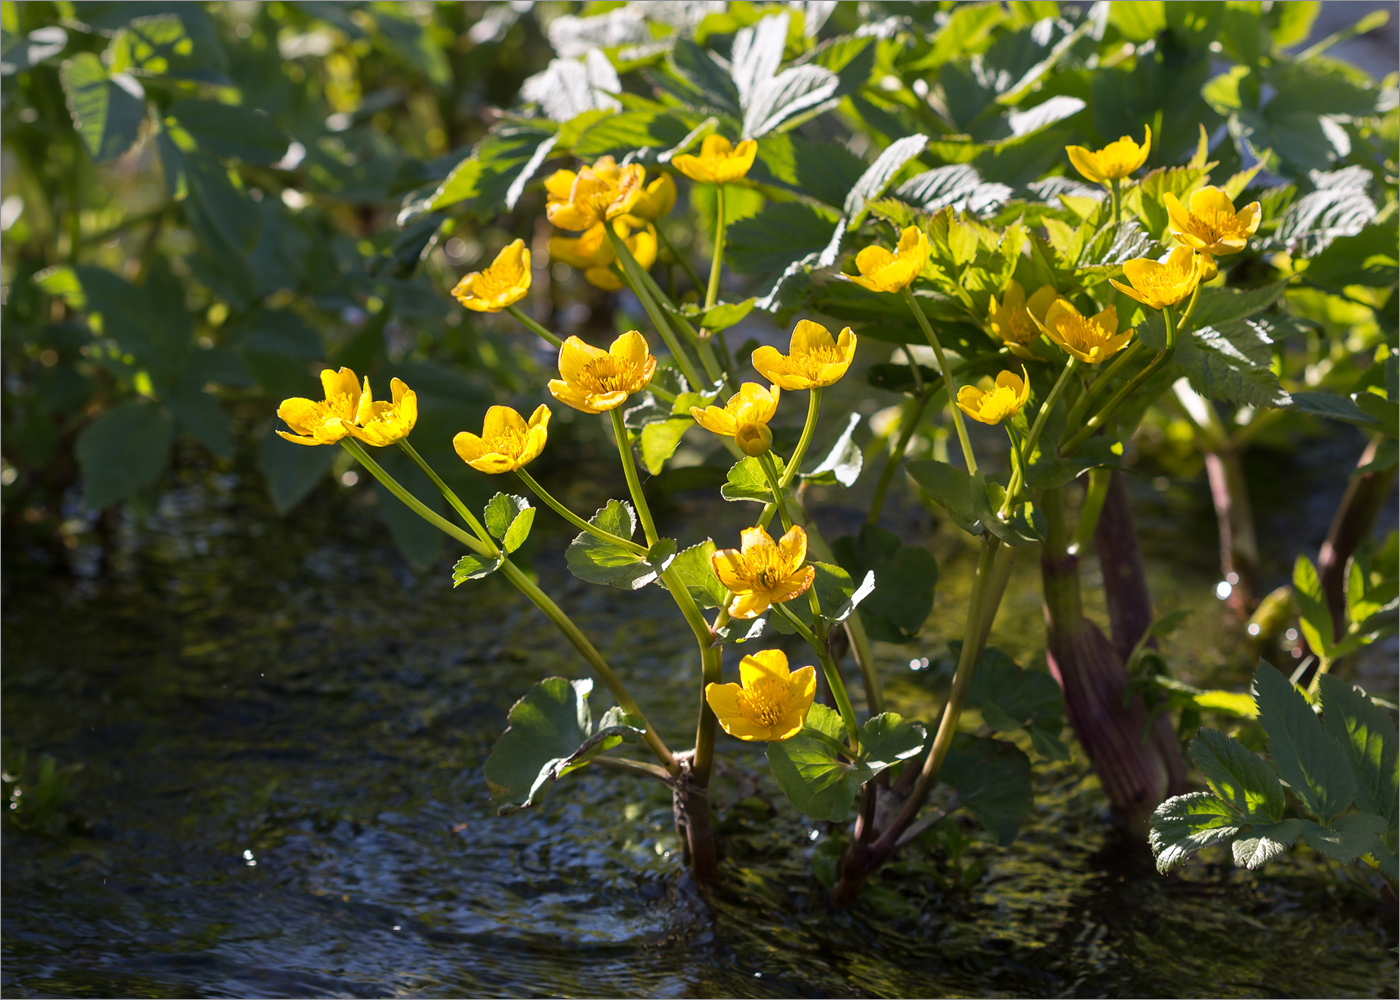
(793, 546)
(1086, 163)
(771, 663)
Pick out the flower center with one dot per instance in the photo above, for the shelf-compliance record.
(1020, 329)
(765, 702)
(1081, 331)
(508, 442)
(605, 374)
(817, 357)
(1216, 225)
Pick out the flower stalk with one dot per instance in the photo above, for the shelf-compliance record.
(947, 379)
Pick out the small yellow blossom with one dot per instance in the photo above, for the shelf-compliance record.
(719, 161)
(882, 271)
(323, 421)
(506, 443)
(814, 360)
(658, 198)
(592, 249)
(1114, 162)
(1091, 339)
(1160, 285)
(593, 196)
(1015, 321)
(1212, 226)
(595, 381)
(744, 418)
(642, 243)
(382, 423)
(502, 284)
(994, 405)
(771, 704)
(761, 572)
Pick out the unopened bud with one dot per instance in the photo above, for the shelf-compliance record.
(754, 439)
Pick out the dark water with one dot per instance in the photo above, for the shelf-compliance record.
(274, 732)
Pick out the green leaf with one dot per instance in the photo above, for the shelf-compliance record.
(699, 68)
(22, 52)
(825, 171)
(1026, 524)
(219, 211)
(781, 240)
(629, 131)
(473, 567)
(695, 570)
(966, 31)
(1339, 207)
(1367, 258)
(809, 769)
(1314, 765)
(842, 463)
(123, 451)
(888, 738)
(592, 559)
(508, 519)
(878, 175)
(1238, 777)
(1332, 406)
(660, 439)
(1367, 733)
(1184, 824)
(1315, 619)
(993, 781)
(720, 316)
(836, 593)
(107, 110)
(292, 470)
(1264, 843)
(181, 45)
(1011, 698)
(227, 130)
(746, 481)
(200, 415)
(496, 172)
(905, 579)
(550, 734)
(1347, 837)
(950, 488)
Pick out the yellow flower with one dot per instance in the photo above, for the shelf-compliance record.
(773, 702)
(324, 421)
(882, 271)
(813, 360)
(719, 161)
(384, 423)
(761, 572)
(594, 380)
(1114, 162)
(994, 405)
(502, 284)
(506, 442)
(593, 196)
(1212, 225)
(657, 199)
(744, 418)
(1091, 339)
(1015, 321)
(1160, 285)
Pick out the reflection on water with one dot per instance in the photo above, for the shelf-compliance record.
(281, 731)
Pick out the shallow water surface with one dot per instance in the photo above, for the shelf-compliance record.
(275, 732)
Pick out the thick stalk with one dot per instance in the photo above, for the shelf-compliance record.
(631, 271)
(534, 327)
(1239, 548)
(1094, 495)
(865, 662)
(1115, 187)
(575, 520)
(814, 405)
(629, 469)
(1365, 498)
(770, 472)
(1102, 381)
(947, 380)
(678, 322)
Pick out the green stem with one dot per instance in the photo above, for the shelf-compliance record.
(865, 662)
(632, 271)
(526, 586)
(531, 325)
(717, 262)
(770, 472)
(947, 380)
(833, 676)
(575, 520)
(629, 469)
(1118, 398)
(1102, 381)
(679, 258)
(814, 404)
(1094, 497)
(1115, 187)
(1046, 406)
(913, 413)
(708, 359)
(410, 501)
(595, 660)
(451, 497)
